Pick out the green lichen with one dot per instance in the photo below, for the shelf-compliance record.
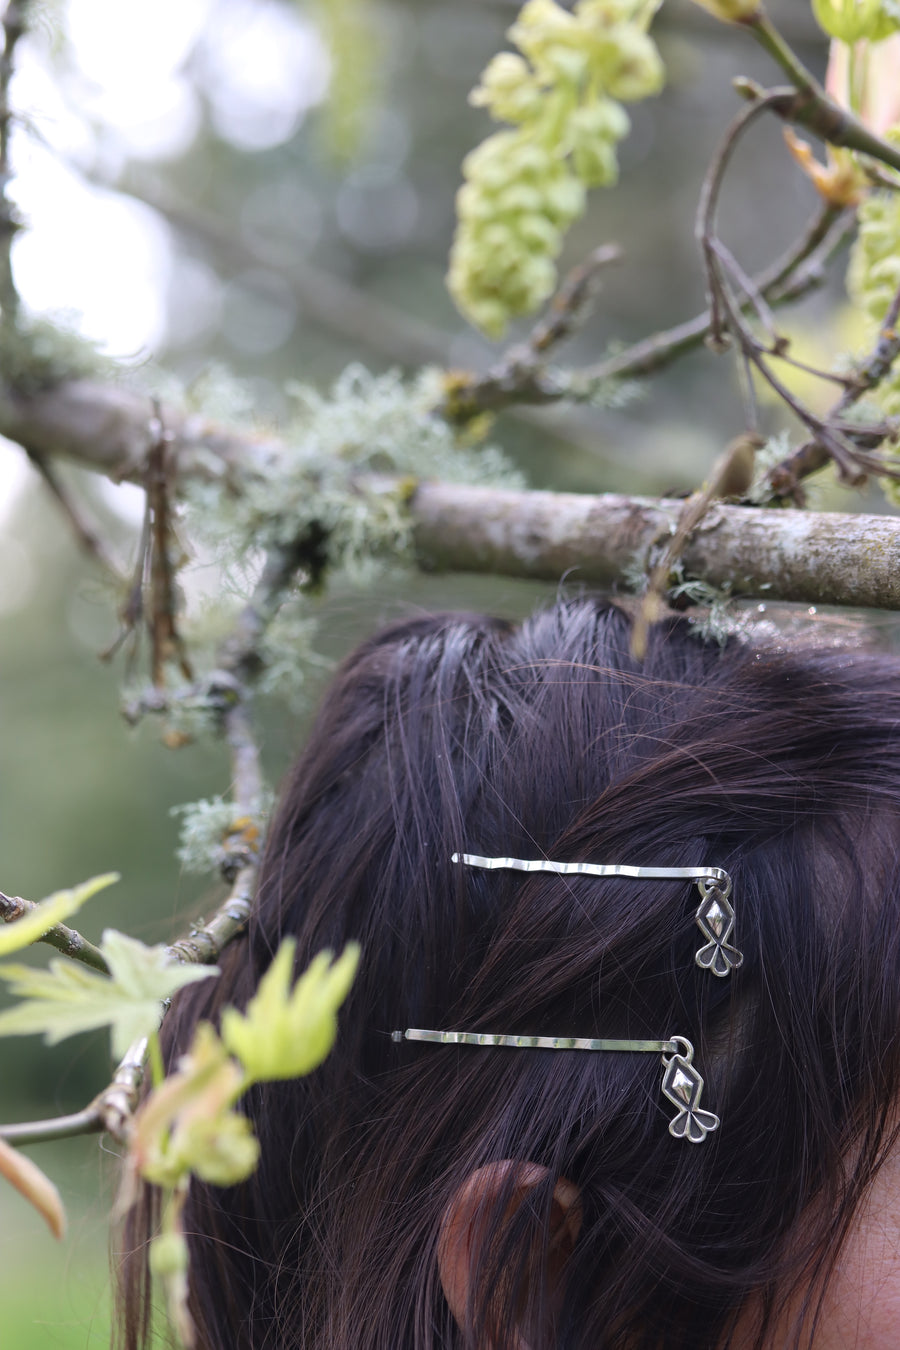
(37, 353)
(334, 478)
(217, 837)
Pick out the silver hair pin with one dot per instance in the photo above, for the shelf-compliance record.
(714, 915)
(681, 1082)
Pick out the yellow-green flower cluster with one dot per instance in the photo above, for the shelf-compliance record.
(562, 92)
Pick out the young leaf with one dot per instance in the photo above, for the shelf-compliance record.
(37, 1188)
(186, 1125)
(287, 1031)
(55, 909)
(68, 998)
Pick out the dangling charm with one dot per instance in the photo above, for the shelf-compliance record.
(683, 1085)
(715, 919)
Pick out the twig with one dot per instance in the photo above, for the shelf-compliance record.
(205, 943)
(521, 376)
(165, 640)
(66, 940)
(785, 477)
(730, 477)
(798, 271)
(88, 1121)
(88, 538)
(238, 658)
(572, 303)
(837, 441)
(327, 300)
(809, 106)
(110, 1111)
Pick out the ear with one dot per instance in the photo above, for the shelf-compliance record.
(467, 1222)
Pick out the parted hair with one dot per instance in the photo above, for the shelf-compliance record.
(548, 739)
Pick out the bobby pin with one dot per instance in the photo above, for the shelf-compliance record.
(714, 915)
(681, 1083)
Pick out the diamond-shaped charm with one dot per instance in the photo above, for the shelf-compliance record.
(683, 1085)
(715, 919)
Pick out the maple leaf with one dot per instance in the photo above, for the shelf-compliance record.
(67, 998)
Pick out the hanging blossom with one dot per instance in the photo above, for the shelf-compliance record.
(562, 93)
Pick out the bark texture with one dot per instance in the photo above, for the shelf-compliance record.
(807, 556)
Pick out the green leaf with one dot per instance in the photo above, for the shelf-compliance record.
(68, 998)
(288, 1030)
(56, 909)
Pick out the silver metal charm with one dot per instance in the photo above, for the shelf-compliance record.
(683, 1085)
(715, 919)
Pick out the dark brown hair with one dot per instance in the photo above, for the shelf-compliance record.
(549, 739)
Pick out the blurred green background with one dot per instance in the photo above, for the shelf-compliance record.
(211, 110)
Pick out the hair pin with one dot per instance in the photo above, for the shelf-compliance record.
(681, 1083)
(714, 915)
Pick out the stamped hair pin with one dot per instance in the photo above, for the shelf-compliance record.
(681, 1083)
(714, 915)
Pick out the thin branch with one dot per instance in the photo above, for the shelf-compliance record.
(784, 478)
(87, 537)
(88, 1121)
(730, 477)
(205, 943)
(328, 300)
(799, 270)
(521, 376)
(110, 1111)
(165, 639)
(809, 106)
(66, 940)
(845, 446)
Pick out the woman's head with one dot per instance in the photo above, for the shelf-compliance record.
(427, 1196)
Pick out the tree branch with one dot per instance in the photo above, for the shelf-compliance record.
(88, 1121)
(784, 478)
(87, 537)
(815, 558)
(809, 106)
(66, 940)
(110, 1111)
(812, 557)
(798, 271)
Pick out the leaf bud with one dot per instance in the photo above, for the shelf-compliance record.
(857, 20)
